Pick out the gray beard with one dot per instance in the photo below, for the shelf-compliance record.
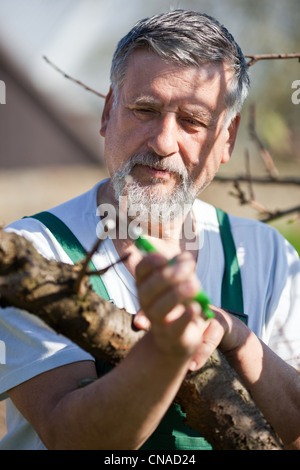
(147, 201)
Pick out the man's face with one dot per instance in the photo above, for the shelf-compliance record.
(166, 128)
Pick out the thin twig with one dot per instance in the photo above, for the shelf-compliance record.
(264, 152)
(248, 175)
(250, 201)
(103, 271)
(258, 179)
(239, 194)
(84, 265)
(73, 79)
(256, 57)
(266, 214)
(278, 214)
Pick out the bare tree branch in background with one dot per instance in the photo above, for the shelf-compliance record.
(273, 176)
(256, 57)
(87, 88)
(264, 152)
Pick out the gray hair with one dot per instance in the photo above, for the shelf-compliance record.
(189, 39)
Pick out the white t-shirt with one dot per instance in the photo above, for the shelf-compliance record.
(270, 272)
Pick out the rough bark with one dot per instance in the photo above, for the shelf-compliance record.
(220, 408)
(216, 403)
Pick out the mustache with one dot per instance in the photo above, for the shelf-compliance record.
(154, 161)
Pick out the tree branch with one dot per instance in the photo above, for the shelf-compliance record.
(272, 178)
(216, 403)
(286, 181)
(100, 95)
(256, 57)
(264, 152)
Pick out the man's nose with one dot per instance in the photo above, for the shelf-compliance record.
(164, 135)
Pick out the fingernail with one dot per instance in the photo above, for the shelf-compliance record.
(193, 365)
(141, 322)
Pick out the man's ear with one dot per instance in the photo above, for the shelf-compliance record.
(231, 138)
(106, 111)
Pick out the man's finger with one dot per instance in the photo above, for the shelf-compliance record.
(140, 321)
(148, 264)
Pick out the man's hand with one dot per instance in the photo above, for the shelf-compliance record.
(165, 292)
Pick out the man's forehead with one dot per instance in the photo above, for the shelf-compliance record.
(140, 57)
(144, 67)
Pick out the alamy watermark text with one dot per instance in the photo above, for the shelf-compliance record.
(2, 92)
(296, 94)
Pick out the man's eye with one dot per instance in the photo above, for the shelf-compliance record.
(144, 112)
(193, 123)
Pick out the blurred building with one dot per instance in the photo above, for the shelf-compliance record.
(34, 132)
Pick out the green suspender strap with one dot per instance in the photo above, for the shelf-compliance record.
(171, 434)
(232, 291)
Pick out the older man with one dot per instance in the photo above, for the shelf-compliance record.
(171, 116)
